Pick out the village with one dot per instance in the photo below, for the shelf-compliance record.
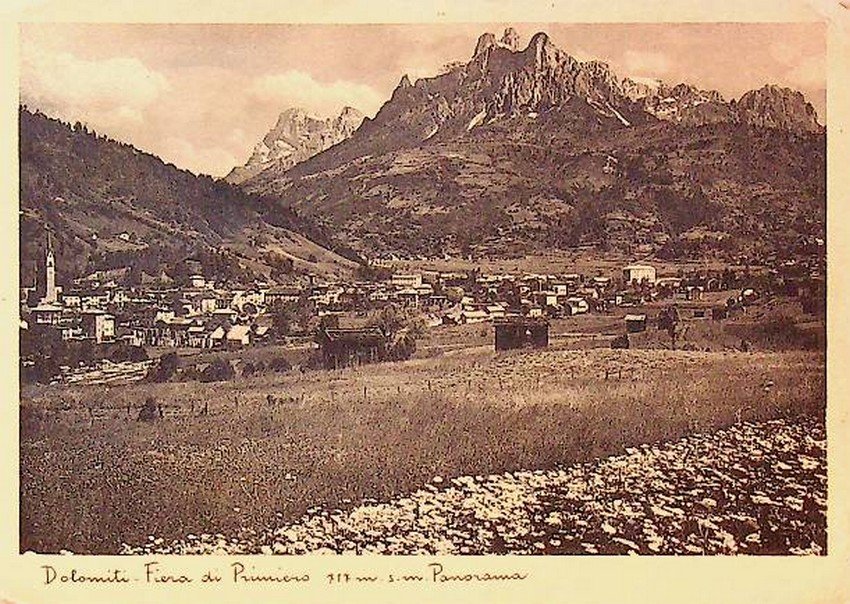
(477, 286)
(208, 314)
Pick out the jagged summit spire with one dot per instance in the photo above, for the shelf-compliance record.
(293, 111)
(539, 40)
(485, 42)
(510, 39)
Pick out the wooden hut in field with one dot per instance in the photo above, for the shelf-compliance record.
(521, 332)
(635, 323)
(344, 347)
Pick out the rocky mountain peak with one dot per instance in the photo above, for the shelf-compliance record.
(775, 106)
(539, 40)
(486, 41)
(292, 113)
(510, 39)
(446, 163)
(297, 136)
(543, 51)
(290, 123)
(500, 83)
(350, 113)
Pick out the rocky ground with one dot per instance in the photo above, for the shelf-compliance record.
(754, 488)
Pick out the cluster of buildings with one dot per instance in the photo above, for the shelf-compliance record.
(202, 314)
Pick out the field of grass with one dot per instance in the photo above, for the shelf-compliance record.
(780, 327)
(755, 488)
(93, 477)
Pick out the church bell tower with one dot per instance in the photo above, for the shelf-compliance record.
(50, 273)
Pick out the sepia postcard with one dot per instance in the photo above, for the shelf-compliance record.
(372, 302)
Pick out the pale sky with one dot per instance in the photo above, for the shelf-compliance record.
(201, 96)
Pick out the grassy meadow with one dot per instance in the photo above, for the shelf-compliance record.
(93, 477)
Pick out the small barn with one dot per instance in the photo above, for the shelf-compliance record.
(521, 332)
(344, 347)
(635, 323)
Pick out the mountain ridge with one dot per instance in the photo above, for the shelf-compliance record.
(474, 139)
(111, 205)
(504, 81)
(295, 137)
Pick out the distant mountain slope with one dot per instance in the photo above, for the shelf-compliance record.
(111, 205)
(296, 137)
(524, 149)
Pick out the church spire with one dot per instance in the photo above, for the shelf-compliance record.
(50, 291)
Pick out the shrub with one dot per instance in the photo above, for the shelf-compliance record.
(165, 369)
(187, 374)
(137, 354)
(621, 341)
(279, 364)
(125, 352)
(32, 420)
(149, 411)
(779, 333)
(248, 369)
(218, 371)
(42, 371)
(403, 348)
(402, 330)
(314, 360)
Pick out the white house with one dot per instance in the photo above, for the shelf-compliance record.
(240, 335)
(577, 306)
(98, 325)
(546, 298)
(560, 289)
(47, 314)
(207, 303)
(72, 300)
(637, 273)
(404, 281)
